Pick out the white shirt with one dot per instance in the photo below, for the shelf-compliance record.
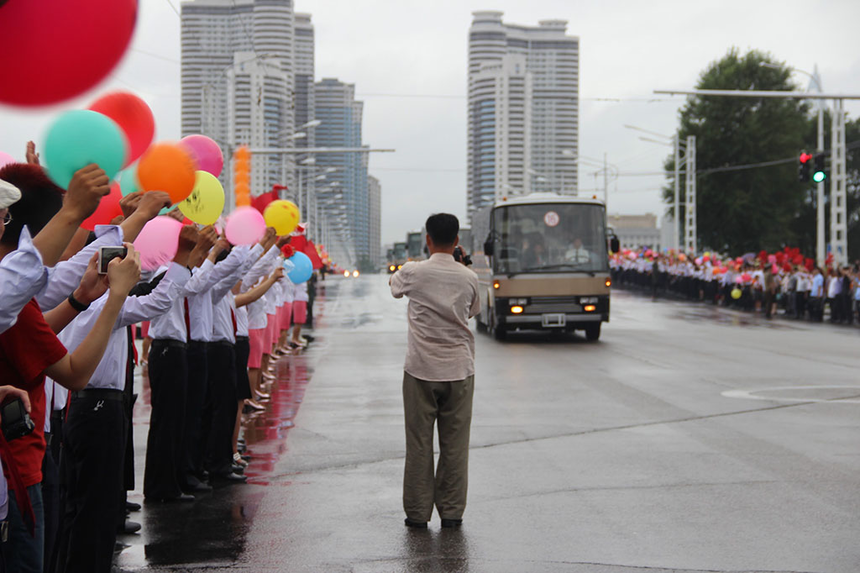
(200, 305)
(300, 292)
(224, 306)
(110, 373)
(22, 276)
(65, 277)
(443, 296)
(261, 269)
(241, 320)
(817, 286)
(834, 288)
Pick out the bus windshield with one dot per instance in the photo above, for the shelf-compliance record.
(549, 238)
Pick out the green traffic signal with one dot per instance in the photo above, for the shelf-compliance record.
(819, 175)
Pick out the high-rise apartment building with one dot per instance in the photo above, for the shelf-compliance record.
(523, 116)
(340, 116)
(304, 81)
(374, 192)
(238, 80)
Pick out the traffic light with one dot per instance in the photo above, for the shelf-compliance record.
(818, 174)
(803, 167)
(242, 176)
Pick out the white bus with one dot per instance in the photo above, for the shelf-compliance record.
(542, 263)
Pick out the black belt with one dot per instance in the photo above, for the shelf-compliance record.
(197, 343)
(169, 342)
(242, 339)
(226, 343)
(99, 394)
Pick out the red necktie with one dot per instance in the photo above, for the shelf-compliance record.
(233, 318)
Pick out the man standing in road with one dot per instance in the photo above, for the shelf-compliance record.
(439, 375)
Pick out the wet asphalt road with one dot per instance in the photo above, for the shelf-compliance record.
(687, 439)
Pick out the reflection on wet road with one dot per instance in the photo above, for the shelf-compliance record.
(688, 439)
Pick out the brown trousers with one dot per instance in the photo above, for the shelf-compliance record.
(425, 403)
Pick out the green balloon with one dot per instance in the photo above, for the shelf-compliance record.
(80, 137)
(128, 183)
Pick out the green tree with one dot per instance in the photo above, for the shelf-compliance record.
(748, 210)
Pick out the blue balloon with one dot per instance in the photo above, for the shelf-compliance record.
(302, 269)
(80, 137)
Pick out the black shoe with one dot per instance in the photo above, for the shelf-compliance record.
(198, 487)
(415, 524)
(128, 527)
(183, 497)
(452, 522)
(132, 506)
(238, 469)
(231, 477)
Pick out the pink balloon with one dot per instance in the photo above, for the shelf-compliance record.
(157, 242)
(205, 152)
(6, 159)
(245, 226)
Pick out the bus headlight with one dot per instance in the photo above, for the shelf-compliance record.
(516, 310)
(608, 283)
(590, 308)
(496, 284)
(391, 268)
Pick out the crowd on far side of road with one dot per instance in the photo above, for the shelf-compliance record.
(783, 283)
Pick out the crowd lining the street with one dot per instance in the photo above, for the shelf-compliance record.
(216, 319)
(784, 283)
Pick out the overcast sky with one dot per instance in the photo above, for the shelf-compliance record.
(408, 59)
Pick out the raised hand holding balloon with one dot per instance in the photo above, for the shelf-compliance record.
(81, 137)
(206, 201)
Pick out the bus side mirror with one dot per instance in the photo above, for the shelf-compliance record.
(614, 244)
(488, 248)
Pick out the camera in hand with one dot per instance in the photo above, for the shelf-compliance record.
(107, 254)
(461, 257)
(16, 421)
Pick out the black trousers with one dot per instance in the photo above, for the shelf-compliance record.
(50, 499)
(197, 359)
(164, 456)
(92, 471)
(219, 416)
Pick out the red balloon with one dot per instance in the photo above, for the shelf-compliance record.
(106, 211)
(53, 50)
(134, 118)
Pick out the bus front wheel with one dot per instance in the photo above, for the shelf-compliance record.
(592, 332)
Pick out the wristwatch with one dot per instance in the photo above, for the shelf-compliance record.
(76, 304)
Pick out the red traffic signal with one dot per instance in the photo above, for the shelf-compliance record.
(804, 157)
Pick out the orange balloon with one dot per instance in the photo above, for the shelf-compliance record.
(167, 167)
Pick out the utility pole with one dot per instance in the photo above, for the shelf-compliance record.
(677, 214)
(690, 201)
(838, 208)
(820, 245)
(605, 184)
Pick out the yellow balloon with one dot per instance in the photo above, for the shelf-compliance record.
(736, 293)
(282, 215)
(206, 201)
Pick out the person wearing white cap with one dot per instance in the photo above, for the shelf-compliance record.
(22, 275)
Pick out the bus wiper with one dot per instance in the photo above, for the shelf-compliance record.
(550, 267)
